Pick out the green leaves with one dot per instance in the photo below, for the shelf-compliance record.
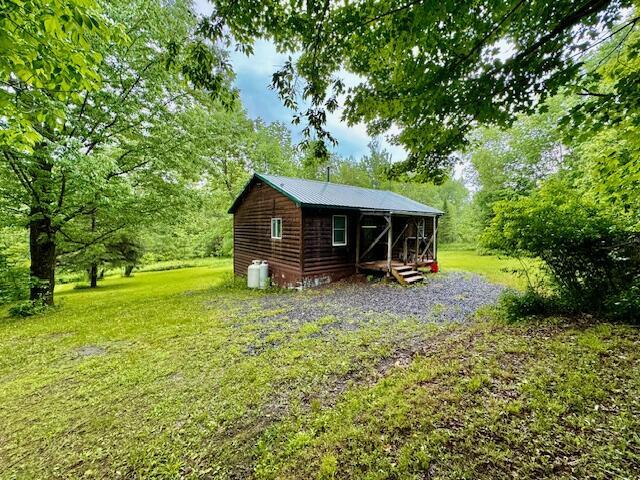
(93, 142)
(46, 56)
(590, 253)
(435, 70)
(51, 26)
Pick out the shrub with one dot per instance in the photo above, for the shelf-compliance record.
(592, 257)
(14, 280)
(626, 305)
(27, 308)
(518, 305)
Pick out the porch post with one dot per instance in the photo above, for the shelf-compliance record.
(404, 251)
(358, 243)
(389, 244)
(435, 237)
(417, 240)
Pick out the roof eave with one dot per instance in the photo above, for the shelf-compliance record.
(373, 211)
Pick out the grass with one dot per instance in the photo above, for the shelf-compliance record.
(504, 270)
(180, 374)
(81, 280)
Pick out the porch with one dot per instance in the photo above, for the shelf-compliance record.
(392, 242)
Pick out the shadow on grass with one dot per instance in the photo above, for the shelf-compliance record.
(100, 288)
(7, 319)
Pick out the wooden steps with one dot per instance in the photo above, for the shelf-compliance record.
(406, 275)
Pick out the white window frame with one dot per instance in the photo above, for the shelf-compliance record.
(333, 229)
(275, 221)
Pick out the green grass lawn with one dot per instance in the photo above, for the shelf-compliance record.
(179, 374)
(505, 270)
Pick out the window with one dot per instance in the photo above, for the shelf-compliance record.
(276, 228)
(339, 230)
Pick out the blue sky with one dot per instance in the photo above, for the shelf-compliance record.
(253, 76)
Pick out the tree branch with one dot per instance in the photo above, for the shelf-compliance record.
(478, 46)
(569, 21)
(87, 244)
(588, 93)
(388, 13)
(127, 170)
(22, 177)
(63, 187)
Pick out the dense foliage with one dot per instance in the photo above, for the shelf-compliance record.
(47, 56)
(592, 257)
(582, 220)
(93, 102)
(434, 69)
(513, 162)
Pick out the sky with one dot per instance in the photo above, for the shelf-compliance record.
(253, 77)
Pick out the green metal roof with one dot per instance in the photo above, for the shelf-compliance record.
(312, 193)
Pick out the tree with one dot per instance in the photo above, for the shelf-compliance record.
(119, 154)
(229, 146)
(583, 221)
(47, 57)
(513, 162)
(126, 251)
(371, 171)
(447, 226)
(434, 69)
(592, 256)
(605, 124)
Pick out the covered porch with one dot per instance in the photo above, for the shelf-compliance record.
(391, 242)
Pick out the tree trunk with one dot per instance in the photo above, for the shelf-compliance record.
(93, 270)
(127, 270)
(93, 275)
(42, 248)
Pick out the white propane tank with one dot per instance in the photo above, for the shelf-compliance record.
(253, 274)
(264, 274)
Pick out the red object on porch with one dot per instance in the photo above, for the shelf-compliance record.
(434, 267)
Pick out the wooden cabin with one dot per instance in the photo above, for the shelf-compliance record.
(314, 232)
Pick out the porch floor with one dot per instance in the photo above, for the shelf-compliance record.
(381, 265)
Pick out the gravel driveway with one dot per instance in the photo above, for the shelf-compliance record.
(441, 298)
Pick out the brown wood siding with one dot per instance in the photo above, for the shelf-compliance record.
(252, 234)
(321, 259)
(379, 251)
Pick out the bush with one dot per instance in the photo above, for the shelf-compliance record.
(592, 257)
(520, 305)
(626, 305)
(14, 280)
(27, 308)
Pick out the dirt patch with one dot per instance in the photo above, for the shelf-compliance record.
(90, 351)
(59, 335)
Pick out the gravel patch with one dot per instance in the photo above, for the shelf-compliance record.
(443, 298)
